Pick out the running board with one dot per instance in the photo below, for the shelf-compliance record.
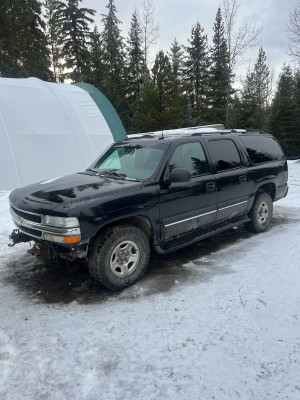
(179, 243)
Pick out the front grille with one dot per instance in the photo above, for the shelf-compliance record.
(29, 217)
(31, 232)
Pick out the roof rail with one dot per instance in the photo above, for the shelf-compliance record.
(215, 126)
(196, 131)
(221, 132)
(255, 131)
(187, 130)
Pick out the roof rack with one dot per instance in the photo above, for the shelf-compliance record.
(256, 131)
(221, 132)
(186, 131)
(196, 131)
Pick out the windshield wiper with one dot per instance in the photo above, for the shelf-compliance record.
(92, 170)
(113, 174)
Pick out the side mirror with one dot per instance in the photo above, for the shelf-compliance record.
(178, 175)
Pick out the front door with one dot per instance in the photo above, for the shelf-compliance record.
(187, 206)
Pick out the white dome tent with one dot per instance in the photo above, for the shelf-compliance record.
(50, 129)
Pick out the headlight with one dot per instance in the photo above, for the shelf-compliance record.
(61, 222)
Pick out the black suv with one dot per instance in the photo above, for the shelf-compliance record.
(157, 191)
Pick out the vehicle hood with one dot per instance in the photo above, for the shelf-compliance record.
(59, 195)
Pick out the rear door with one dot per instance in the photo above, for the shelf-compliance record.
(231, 177)
(187, 206)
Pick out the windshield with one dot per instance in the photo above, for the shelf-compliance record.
(134, 161)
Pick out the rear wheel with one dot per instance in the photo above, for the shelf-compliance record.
(119, 256)
(261, 213)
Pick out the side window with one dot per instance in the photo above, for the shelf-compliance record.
(262, 148)
(190, 156)
(224, 154)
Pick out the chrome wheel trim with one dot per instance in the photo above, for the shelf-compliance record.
(263, 213)
(124, 258)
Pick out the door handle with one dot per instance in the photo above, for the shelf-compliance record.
(210, 186)
(243, 179)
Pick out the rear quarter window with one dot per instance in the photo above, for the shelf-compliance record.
(262, 149)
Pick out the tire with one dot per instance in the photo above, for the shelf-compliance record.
(261, 213)
(119, 256)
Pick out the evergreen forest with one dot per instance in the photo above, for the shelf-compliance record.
(189, 85)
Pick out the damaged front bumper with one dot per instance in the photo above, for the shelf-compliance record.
(46, 250)
(32, 225)
(49, 241)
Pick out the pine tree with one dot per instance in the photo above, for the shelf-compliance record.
(23, 43)
(285, 110)
(176, 57)
(161, 106)
(135, 60)
(236, 113)
(75, 32)
(145, 110)
(113, 58)
(10, 52)
(263, 89)
(161, 73)
(196, 66)
(54, 39)
(219, 73)
(256, 94)
(96, 67)
(248, 115)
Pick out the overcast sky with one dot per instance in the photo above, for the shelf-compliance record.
(176, 18)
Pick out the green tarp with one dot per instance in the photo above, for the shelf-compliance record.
(107, 110)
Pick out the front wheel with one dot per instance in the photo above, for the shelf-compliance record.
(119, 256)
(261, 213)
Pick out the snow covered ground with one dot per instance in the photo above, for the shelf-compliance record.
(217, 320)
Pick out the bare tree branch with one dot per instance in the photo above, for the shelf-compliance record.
(239, 38)
(293, 28)
(149, 28)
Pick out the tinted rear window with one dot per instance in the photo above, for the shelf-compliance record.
(262, 148)
(224, 154)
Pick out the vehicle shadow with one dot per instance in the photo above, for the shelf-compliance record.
(52, 283)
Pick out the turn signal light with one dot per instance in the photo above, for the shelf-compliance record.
(72, 239)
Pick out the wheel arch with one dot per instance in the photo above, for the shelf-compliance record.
(269, 188)
(139, 221)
